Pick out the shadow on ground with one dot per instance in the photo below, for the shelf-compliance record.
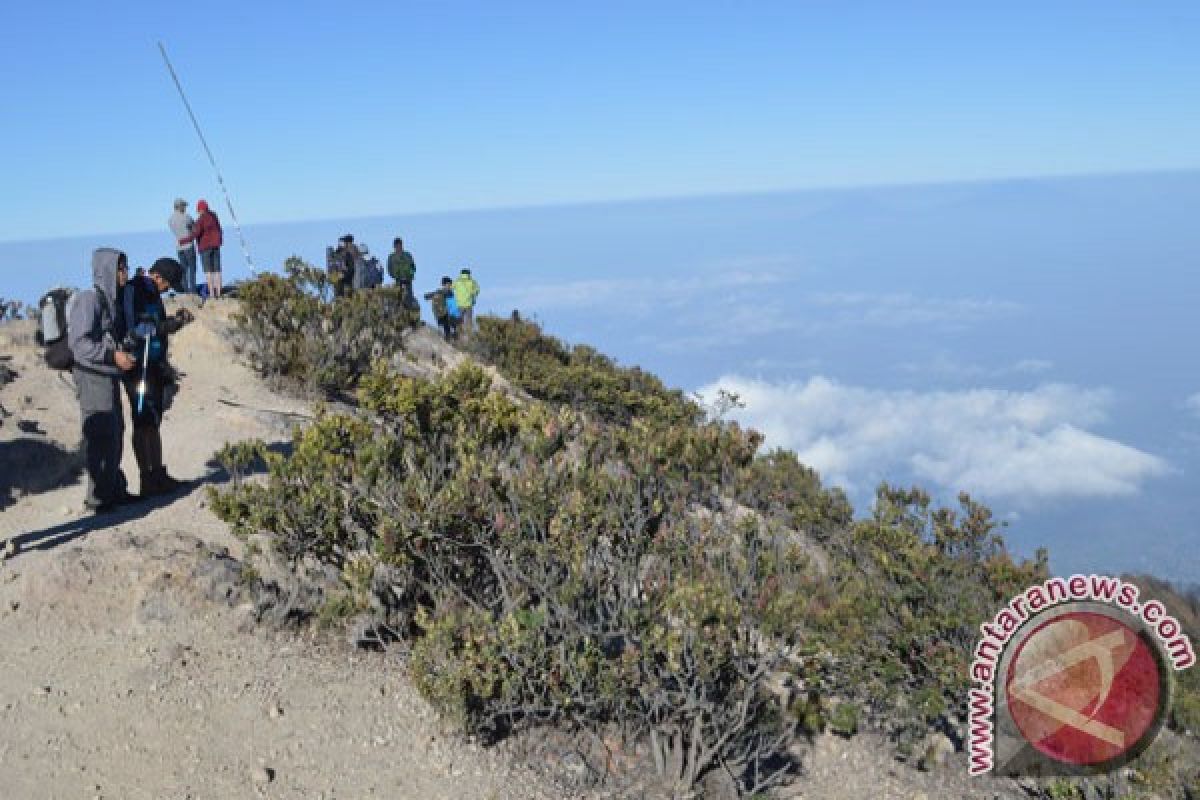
(34, 465)
(58, 535)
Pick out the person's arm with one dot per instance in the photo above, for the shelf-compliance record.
(197, 229)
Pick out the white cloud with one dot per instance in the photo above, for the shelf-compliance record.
(1025, 445)
(638, 295)
(1193, 404)
(946, 366)
(902, 309)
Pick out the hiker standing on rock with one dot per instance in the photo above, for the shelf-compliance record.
(145, 323)
(440, 301)
(181, 224)
(466, 290)
(402, 268)
(344, 262)
(206, 233)
(92, 336)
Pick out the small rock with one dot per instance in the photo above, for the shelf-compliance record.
(275, 711)
(938, 748)
(262, 776)
(10, 548)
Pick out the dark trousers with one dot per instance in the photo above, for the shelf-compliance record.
(187, 260)
(449, 326)
(147, 442)
(103, 431)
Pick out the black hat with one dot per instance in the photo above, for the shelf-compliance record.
(349, 237)
(171, 272)
(446, 279)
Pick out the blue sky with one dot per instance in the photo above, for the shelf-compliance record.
(319, 111)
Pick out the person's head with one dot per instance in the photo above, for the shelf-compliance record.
(398, 243)
(201, 205)
(466, 272)
(446, 281)
(167, 273)
(180, 204)
(346, 241)
(122, 270)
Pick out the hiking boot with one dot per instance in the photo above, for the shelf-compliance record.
(159, 482)
(123, 499)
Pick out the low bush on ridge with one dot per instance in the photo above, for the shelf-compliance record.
(579, 377)
(295, 334)
(606, 557)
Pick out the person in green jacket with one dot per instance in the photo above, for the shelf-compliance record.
(401, 267)
(466, 290)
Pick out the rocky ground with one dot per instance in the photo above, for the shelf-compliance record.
(133, 665)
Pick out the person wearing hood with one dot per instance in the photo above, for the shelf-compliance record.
(206, 233)
(92, 335)
(144, 320)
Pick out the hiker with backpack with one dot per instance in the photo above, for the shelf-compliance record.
(466, 290)
(206, 233)
(98, 363)
(441, 300)
(181, 224)
(145, 324)
(341, 263)
(402, 268)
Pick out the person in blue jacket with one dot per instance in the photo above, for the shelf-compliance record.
(145, 327)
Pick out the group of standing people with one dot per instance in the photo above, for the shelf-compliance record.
(202, 235)
(453, 302)
(453, 305)
(117, 333)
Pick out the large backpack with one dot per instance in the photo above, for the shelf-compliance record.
(53, 312)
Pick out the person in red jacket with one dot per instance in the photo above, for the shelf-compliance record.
(206, 233)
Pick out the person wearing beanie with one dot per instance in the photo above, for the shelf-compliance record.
(181, 224)
(441, 300)
(144, 323)
(206, 233)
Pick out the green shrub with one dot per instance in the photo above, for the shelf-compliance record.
(582, 558)
(295, 335)
(554, 569)
(578, 377)
(911, 586)
(777, 484)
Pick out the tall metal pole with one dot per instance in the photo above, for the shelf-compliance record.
(208, 152)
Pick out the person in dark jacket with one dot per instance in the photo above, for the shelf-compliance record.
(92, 335)
(207, 234)
(401, 267)
(345, 261)
(144, 322)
